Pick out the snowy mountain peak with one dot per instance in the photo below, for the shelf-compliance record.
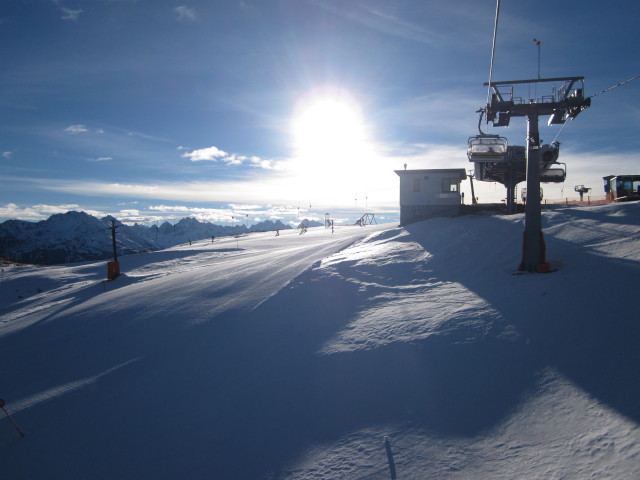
(78, 236)
(310, 223)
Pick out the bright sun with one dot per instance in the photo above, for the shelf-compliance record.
(334, 157)
(328, 131)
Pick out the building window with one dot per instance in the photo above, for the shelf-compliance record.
(416, 184)
(449, 185)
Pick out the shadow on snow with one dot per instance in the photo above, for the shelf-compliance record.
(247, 392)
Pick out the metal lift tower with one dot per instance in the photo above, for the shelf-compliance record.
(564, 103)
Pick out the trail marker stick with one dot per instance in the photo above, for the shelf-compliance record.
(392, 463)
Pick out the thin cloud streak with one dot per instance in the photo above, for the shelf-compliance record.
(271, 187)
(69, 14)
(291, 185)
(76, 129)
(381, 22)
(186, 14)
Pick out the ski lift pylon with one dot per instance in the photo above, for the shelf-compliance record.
(487, 148)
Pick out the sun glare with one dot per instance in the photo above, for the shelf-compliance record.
(328, 131)
(327, 125)
(334, 156)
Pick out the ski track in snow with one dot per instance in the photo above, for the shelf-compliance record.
(263, 260)
(60, 390)
(293, 357)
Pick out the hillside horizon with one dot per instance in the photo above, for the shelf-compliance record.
(78, 236)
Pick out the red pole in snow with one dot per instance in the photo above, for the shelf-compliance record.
(15, 425)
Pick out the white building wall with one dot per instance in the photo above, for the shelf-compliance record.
(425, 194)
(430, 189)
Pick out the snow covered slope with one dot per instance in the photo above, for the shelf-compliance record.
(293, 357)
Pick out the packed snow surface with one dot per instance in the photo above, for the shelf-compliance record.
(296, 356)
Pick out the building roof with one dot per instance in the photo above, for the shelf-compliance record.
(461, 172)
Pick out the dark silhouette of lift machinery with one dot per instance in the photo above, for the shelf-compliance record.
(564, 103)
(496, 161)
(489, 155)
(581, 189)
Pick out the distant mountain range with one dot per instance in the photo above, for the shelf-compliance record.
(310, 223)
(77, 236)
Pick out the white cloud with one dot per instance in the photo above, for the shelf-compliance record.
(169, 208)
(35, 212)
(233, 212)
(214, 215)
(130, 213)
(234, 159)
(242, 206)
(214, 154)
(262, 163)
(76, 129)
(51, 209)
(186, 14)
(101, 159)
(7, 155)
(274, 189)
(205, 154)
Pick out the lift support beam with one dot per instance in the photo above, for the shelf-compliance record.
(565, 103)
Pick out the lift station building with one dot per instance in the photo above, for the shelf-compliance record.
(430, 193)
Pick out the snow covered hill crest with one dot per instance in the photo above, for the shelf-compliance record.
(78, 236)
(365, 353)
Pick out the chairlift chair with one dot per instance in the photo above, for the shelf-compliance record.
(554, 175)
(486, 148)
(552, 171)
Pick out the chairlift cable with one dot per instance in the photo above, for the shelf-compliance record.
(615, 86)
(560, 131)
(493, 49)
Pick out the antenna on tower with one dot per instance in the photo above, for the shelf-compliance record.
(538, 42)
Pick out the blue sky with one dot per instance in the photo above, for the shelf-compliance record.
(277, 109)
